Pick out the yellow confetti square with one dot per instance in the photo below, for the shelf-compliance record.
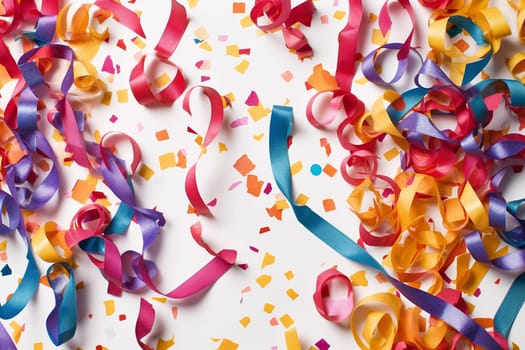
(109, 306)
(139, 43)
(146, 172)
(361, 81)
(242, 67)
(268, 308)
(232, 50)
(227, 344)
(161, 300)
(268, 260)
(359, 279)
(201, 33)
(246, 22)
(162, 80)
(263, 280)
(122, 96)
(38, 346)
(289, 275)
(286, 320)
(391, 154)
(378, 38)
(302, 199)
(245, 321)
(167, 160)
(165, 344)
(193, 3)
(296, 167)
(282, 204)
(205, 46)
(258, 112)
(292, 294)
(339, 15)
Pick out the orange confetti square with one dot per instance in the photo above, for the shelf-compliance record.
(227, 344)
(162, 135)
(239, 7)
(106, 99)
(181, 162)
(462, 45)
(244, 165)
(254, 186)
(83, 189)
(329, 170)
(328, 205)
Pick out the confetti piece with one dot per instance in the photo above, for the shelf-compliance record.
(274, 322)
(222, 147)
(232, 50)
(122, 96)
(239, 122)
(193, 3)
(201, 33)
(139, 43)
(161, 300)
(289, 275)
(106, 98)
(234, 185)
(245, 321)
(324, 19)
(83, 188)
(245, 290)
(167, 160)
(38, 346)
(107, 66)
(292, 294)
(246, 22)
(182, 161)
(113, 118)
(378, 38)
(322, 80)
(162, 135)
(109, 306)
(302, 199)
(329, 170)
(263, 280)
(264, 230)
(17, 330)
(254, 185)
(6, 270)
(268, 188)
(296, 167)
(252, 100)
(239, 7)
(165, 344)
(391, 154)
(122, 317)
(287, 76)
(339, 15)
(286, 320)
(258, 137)
(146, 172)
(174, 312)
(206, 46)
(244, 165)
(242, 67)
(268, 308)
(162, 80)
(316, 169)
(292, 339)
(328, 205)
(322, 345)
(359, 279)
(227, 344)
(268, 260)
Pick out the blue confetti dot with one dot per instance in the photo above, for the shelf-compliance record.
(316, 170)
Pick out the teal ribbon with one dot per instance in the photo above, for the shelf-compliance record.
(280, 130)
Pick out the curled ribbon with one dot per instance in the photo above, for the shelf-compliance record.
(282, 16)
(214, 126)
(335, 310)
